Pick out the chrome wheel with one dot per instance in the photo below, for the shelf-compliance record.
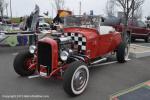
(76, 78)
(80, 79)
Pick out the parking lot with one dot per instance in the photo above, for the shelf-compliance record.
(141, 42)
(104, 80)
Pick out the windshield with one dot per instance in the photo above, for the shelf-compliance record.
(141, 24)
(82, 21)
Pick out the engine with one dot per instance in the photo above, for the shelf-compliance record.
(65, 46)
(70, 44)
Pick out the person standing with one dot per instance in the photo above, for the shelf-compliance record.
(57, 23)
(32, 24)
(22, 40)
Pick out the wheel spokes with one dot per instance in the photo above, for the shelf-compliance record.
(80, 79)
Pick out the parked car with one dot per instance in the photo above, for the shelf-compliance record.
(43, 25)
(137, 29)
(5, 20)
(70, 54)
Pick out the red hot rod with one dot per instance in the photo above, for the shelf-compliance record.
(69, 54)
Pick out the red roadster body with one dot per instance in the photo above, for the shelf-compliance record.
(98, 44)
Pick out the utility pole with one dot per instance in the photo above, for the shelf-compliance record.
(80, 8)
(7, 9)
(52, 11)
(10, 9)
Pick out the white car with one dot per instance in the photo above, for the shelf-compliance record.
(42, 24)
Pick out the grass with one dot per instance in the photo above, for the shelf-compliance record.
(15, 20)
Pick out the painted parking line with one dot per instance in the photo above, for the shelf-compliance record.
(14, 54)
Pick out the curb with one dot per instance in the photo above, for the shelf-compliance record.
(138, 51)
(139, 55)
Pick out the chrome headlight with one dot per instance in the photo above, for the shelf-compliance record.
(32, 49)
(64, 55)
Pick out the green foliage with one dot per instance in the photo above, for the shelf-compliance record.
(48, 20)
(17, 20)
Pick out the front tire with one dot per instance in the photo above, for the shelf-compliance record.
(122, 52)
(76, 78)
(22, 63)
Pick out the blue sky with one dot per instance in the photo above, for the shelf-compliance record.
(24, 7)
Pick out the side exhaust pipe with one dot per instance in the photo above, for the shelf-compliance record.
(98, 61)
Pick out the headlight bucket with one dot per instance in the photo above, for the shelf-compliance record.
(32, 49)
(64, 55)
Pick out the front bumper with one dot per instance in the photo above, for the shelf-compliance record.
(139, 36)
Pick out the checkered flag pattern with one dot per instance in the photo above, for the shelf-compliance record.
(78, 39)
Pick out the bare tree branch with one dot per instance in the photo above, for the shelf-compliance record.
(59, 4)
(2, 7)
(110, 8)
(129, 7)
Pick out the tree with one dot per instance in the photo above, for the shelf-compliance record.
(110, 8)
(137, 14)
(137, 9)
(58, 4)
(129, 7)
(2, 8)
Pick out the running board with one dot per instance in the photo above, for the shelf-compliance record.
(98, 61)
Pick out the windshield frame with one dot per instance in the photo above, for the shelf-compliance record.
(85, 21)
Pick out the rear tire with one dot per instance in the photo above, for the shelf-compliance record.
(76, 78)
(122, 52)
(22, 62)
(147, 40)
(133, 39)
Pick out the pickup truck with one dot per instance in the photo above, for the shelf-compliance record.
(138, 30)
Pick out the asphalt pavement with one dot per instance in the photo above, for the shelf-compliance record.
(104, 80)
